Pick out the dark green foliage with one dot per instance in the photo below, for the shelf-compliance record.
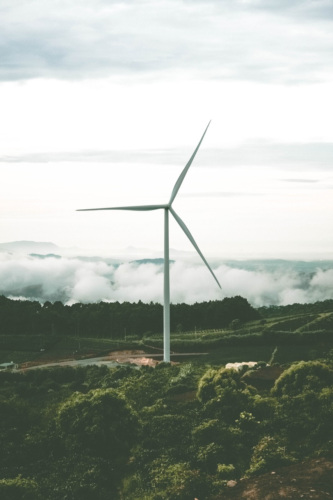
(277, 311)
(266, 338)
(292, 324)
(178, 481)
(92, 328)
(229, 430)
(16, 418)
(99, 423)
(165, 431)
(206, 387)
(79, 477)
(304, 376)
(109, 320)
(225, 384)
(235, 324)
(19, 489)
(127, 435)
(323, 322)
(269, 454)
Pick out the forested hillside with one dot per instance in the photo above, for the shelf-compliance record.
(169, 433)
(110, 319)
(228, 330)
(292, 309)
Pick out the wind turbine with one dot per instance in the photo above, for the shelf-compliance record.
(168, 208)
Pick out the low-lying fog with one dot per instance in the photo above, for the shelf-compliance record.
(78, 279)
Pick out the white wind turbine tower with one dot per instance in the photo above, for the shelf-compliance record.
(168, 208)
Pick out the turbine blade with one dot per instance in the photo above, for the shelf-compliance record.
(190, 237)
(142, 208)
(184, 172)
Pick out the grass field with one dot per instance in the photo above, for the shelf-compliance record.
(23, 348)
(283, 355)
(17, 356)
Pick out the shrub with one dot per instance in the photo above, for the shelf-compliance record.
(100, 423)
(270, 453)
(206, 387)
(179, 482)
(19, 489)
(303, 376)
(226, 471)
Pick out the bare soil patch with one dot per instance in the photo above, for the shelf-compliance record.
(308, 479)
(135, 357)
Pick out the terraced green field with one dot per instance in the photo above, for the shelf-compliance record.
(25, 348)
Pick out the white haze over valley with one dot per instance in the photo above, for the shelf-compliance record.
(86, 279)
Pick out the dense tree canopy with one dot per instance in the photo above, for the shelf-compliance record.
(19, 489)
(111, 320)
(99, 422)
(304, 376)
(290, 309)
(83, 433)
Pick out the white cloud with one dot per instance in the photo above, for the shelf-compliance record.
(261, 41)
(72, 280)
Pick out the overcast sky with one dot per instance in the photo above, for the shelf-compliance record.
(102, 104)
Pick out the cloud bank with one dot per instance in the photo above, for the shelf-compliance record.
(276, 41)
(72, 280)
(301, 156)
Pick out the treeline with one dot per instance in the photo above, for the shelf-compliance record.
(113, 320)
(293, 309)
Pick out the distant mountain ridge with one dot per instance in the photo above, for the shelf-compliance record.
(157, 262)
(38, 247)
(45, 256)
(46, 250)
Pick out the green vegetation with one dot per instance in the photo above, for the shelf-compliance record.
(296, 309)
(114, 320)
(170, 433)
(82, 433)
(54, 331)
(13, 489)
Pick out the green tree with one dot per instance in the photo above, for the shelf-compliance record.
(225, 394)
(270, 453)
(303, 376)
(100, 423)
(178, 481)
(19, 489)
